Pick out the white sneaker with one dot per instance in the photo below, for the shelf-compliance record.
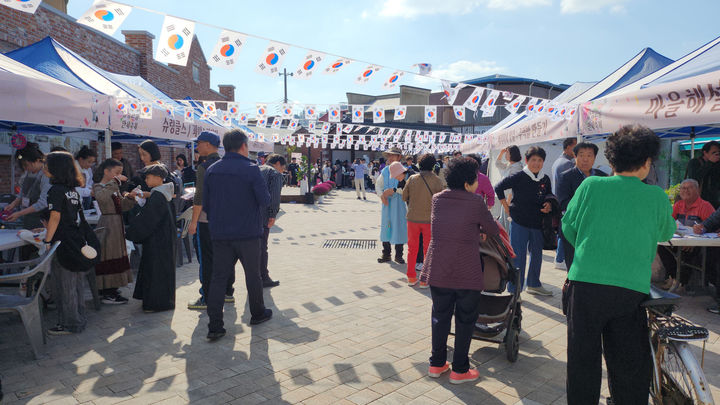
(560, 266)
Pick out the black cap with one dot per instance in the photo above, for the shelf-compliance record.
(157, 170)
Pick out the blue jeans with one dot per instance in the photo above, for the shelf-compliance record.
(522, 238)
(560, 255)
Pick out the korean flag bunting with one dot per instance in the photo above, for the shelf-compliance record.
(134, 107)
(400, 112)
(367, 74)
(489, 111)
(27, 6)
(378, 115)
(189, 115)
(310, 112)
(293, 125)
(175, 40)
(312, 125)
(209, 108)
(309, 65)
(392, 81)
(423, 68)
(513, 105)
(226, 119)
(570, 113)
(261, 110)
(243, 119)
(490, 103)
(170, 110)
(105, 16)
(541, 107)
(233, 110)
(442, 137)
(430, 114)
(300, 138)
(275, 138)
(348, 128)
(338, 129)
(276, 123)
(261, 122)
(334, 113)
(146, 110)
(227, 49)
(450, 92)
(287, 111)
(531, 106)
(459, 112)
(358, 114)
(326, 128)
(474, 100)
(121, 105)
(336, 66)
(272, 60)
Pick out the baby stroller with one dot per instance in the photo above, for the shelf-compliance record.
(500, 312)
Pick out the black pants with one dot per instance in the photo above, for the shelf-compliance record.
(205, 257)
(607, 319)
(464, 304)
(264, 273)
(226, 255)
(387, 249)
(420, 257)
(568, 249)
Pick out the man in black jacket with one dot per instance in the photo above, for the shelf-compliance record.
(570, 180)
(272, 172)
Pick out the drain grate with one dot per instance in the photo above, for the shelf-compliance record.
(349, 244)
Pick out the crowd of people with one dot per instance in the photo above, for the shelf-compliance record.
(610, 227)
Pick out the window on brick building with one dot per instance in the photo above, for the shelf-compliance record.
(196, 72)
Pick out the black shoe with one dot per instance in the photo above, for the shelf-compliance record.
(714, 309)
(266, 317)
(213, 336)
(358, 198)
(270, 283)
(364, 198)
(384, 259)
(399, 260)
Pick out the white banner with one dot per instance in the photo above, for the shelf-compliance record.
(105, 16)
(309, 65)
(227, 49)
(693, 101)
(272, 60)
(175, 41)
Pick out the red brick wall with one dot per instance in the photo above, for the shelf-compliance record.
(18, 29)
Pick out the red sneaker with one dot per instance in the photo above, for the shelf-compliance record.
(435, 372)
(459, 378)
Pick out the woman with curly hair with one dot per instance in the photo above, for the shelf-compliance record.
(615, 224)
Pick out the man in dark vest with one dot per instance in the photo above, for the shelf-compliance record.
(207, 146)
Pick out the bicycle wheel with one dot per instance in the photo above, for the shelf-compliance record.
(683, 381)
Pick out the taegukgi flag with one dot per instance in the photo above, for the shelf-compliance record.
(175, 41)
(227, 49)
(105, 16)
(309, 65)
(272, 60)
(28, 6)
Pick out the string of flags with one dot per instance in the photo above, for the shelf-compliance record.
(177, 33)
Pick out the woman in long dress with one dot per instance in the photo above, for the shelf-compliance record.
(113, 271)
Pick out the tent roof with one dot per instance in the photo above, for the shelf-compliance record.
(13, 66)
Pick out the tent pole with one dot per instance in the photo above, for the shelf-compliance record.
(192, 155)
(692, 142)
(12, 173)
(108, 143)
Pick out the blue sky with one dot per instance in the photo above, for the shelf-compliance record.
(562, 41)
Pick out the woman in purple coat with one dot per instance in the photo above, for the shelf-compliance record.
(460, 220)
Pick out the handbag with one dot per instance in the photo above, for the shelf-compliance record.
(74, 239)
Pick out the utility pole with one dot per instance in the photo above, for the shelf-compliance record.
(285, 74)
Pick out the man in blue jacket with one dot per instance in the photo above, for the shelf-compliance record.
(236, 195)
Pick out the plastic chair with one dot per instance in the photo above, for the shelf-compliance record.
(29, 307)
(183, 223)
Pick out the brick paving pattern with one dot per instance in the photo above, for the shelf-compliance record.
(346, 330)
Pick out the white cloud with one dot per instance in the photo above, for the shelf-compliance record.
(460, 70)
(581, 6)
(414, 8)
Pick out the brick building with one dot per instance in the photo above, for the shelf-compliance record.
(134, 57)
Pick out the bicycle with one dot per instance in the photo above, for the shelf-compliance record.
(677, 376)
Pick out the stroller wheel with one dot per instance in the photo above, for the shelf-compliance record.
(512, 343)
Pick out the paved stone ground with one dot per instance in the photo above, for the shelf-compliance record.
(346, 330)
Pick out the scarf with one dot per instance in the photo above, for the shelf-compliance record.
(532, 175)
